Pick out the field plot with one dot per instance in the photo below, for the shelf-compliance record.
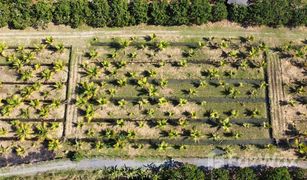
(152, 94)
(294, 68)
(33, 93)
(141, 97)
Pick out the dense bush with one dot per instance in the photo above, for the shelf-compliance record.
(178, 12)
(41, 13)
(19, 14)
(219, 11)
(219, 174)
(185, 172)
(245, 174)
(99, 13)
(200, 11)
(158, 12)
(138, 11)
(4, 14)
(281, 173)
(119, 14)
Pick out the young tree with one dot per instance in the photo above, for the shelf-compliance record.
(20, 16)
(99, 15)
(237, 13)
(219, 11)
(200, 11)
(298, 17)
(178, 12)
(4, 14)
(61, 14)
(158, 12)
(119, 14)
(41, 13)
(138, 10)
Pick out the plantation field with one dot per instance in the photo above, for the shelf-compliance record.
(139, 97)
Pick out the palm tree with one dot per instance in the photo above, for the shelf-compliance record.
(120, 122)
(39, 47)
(35, 103)
(214, 136)
(232, 92)
(162, 123)
(98, 145)
(162, 101)
(23, 130)
(150, 112)
(58, 65)
(121, 82)
(20, 151)
(105, 63)
(46, 74)
(195, 134)
(3, 47)
(173, 134)
(92, 54)
(225, 124)
(122, 103)
(212, 73)
(182, 63)
(58, 85)
(182, 122)
(54, 144)
(163, 146)
(49, 40)
(163, 83)
(59, 47)
(182, 102)
(92, 72)
(102, 101)
(3, 131)
(161, 45)
(42, 131)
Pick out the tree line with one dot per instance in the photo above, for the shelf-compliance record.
(19, 14)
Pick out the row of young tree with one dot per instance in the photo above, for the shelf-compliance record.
(19, 14)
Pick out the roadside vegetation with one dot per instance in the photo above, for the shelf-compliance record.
(176, 171)
(119, 13)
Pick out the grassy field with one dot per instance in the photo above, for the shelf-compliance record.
(178, 94)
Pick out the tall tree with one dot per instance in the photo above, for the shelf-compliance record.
(99, 15)
(200, 11)
(158, 12)
(20, 14)
(4, 14)
(41, 13)
(138, 11)
(219, 11)
(78, 12)
(61, 14)
(119, 15)
(179, 12)
(237, 13)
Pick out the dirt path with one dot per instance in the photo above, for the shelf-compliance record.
(97, 163)
(276, 95)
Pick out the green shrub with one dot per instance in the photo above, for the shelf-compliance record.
(200, 11)
(219, 11)
(185, 172)
(119, 15)
(20, 14)
(280, 173)
(219, 174)
(245, 174)
(158, 12)
(138, 10)
(99, 13)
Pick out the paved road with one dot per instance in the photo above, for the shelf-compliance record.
(97, 163)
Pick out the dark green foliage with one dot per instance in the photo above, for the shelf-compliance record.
(298, 16)
(4, 14)
(41, 13)
(158, 12)
(219, 11)
(272, 13)
(297, 174)
(119, 15)
(61, 14)
(75, 156)
(99, 15)
(78, 12)
(200, 11)
(138, 11)
(178, 12)
(237, 13)
(20, 14)
(245, 174)
(185, 172)
(219, 174)
(281, 173)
